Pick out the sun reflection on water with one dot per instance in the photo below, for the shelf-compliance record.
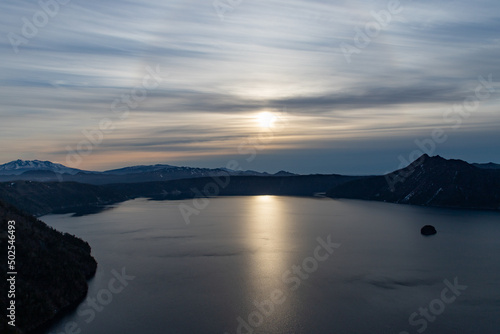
(268, 236)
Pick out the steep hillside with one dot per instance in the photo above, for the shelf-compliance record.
(432, 181)
(52, 270)
(40, 198)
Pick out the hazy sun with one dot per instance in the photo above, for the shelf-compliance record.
(266, 119)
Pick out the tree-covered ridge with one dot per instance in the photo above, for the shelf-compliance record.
(52, 270)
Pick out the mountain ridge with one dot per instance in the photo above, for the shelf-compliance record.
(46, 171)
(429, 181)
(488, 165)
(19, 166)
(41, 198)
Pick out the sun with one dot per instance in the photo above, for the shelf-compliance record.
(266, 119)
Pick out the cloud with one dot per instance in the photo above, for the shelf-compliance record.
(264, 56)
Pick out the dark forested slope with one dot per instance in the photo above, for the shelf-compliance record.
(432, 181)
(52, 270)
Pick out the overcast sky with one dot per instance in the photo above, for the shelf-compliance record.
(305, 86)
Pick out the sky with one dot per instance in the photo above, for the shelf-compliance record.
(349, 87)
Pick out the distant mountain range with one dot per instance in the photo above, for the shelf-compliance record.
(489, 165)
(19, 167)
(430, 181)
(46, 171)
(55, 266)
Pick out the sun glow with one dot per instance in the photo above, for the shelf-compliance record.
(266, 119)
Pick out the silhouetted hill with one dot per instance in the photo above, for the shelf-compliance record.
(432, 181)
(489, 165)
(52, 271)
(40, 198)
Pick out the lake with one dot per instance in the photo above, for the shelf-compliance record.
(267, 264)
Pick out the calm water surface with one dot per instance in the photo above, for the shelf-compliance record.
(246, 265)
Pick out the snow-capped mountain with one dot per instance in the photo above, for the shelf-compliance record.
(19, 167)
(43, 171)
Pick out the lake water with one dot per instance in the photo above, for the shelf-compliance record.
(256, 265)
